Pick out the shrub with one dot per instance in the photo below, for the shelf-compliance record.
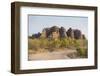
(77, 43)
(33, 44)
(54, 43)
(64, 42)
(44, 43)
(82, 52)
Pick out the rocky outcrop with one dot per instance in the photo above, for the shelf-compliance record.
(70, 33)
(77, 34)
(56, 32)
(74, 33)
(37, 35)
(54, 29)
(83, 36)
(62, 32)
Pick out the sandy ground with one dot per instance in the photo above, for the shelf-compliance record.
(61, 54)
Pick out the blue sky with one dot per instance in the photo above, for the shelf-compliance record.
(38, 22)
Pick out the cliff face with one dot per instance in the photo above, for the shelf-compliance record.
(56, 32)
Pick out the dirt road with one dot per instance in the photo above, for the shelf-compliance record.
(61, 54)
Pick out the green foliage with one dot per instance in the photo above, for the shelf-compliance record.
(33, 44)
(54, 43)
(64, 42)
(43, 43)
(82, 52)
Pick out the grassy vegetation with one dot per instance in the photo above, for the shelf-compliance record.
(82, 52)
(43, 43)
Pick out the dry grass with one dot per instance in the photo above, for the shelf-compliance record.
(44, 45)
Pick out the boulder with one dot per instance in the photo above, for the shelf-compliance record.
(46, 31)
(70, 33)
(77, 34)
(62, 32)
(83, 36)
(37, 35)
(54, 29)
(54, 32)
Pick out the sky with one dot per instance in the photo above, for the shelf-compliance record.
(38, 22)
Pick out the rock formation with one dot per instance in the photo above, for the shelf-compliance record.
(74, 33)
(37, 35)
(77, 34)
(55, 32)
(70, 33)
(62, 32)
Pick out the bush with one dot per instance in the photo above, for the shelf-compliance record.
(43, 43)
(33, 44)
(64, 42)
(54, 43)
(82, 52)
